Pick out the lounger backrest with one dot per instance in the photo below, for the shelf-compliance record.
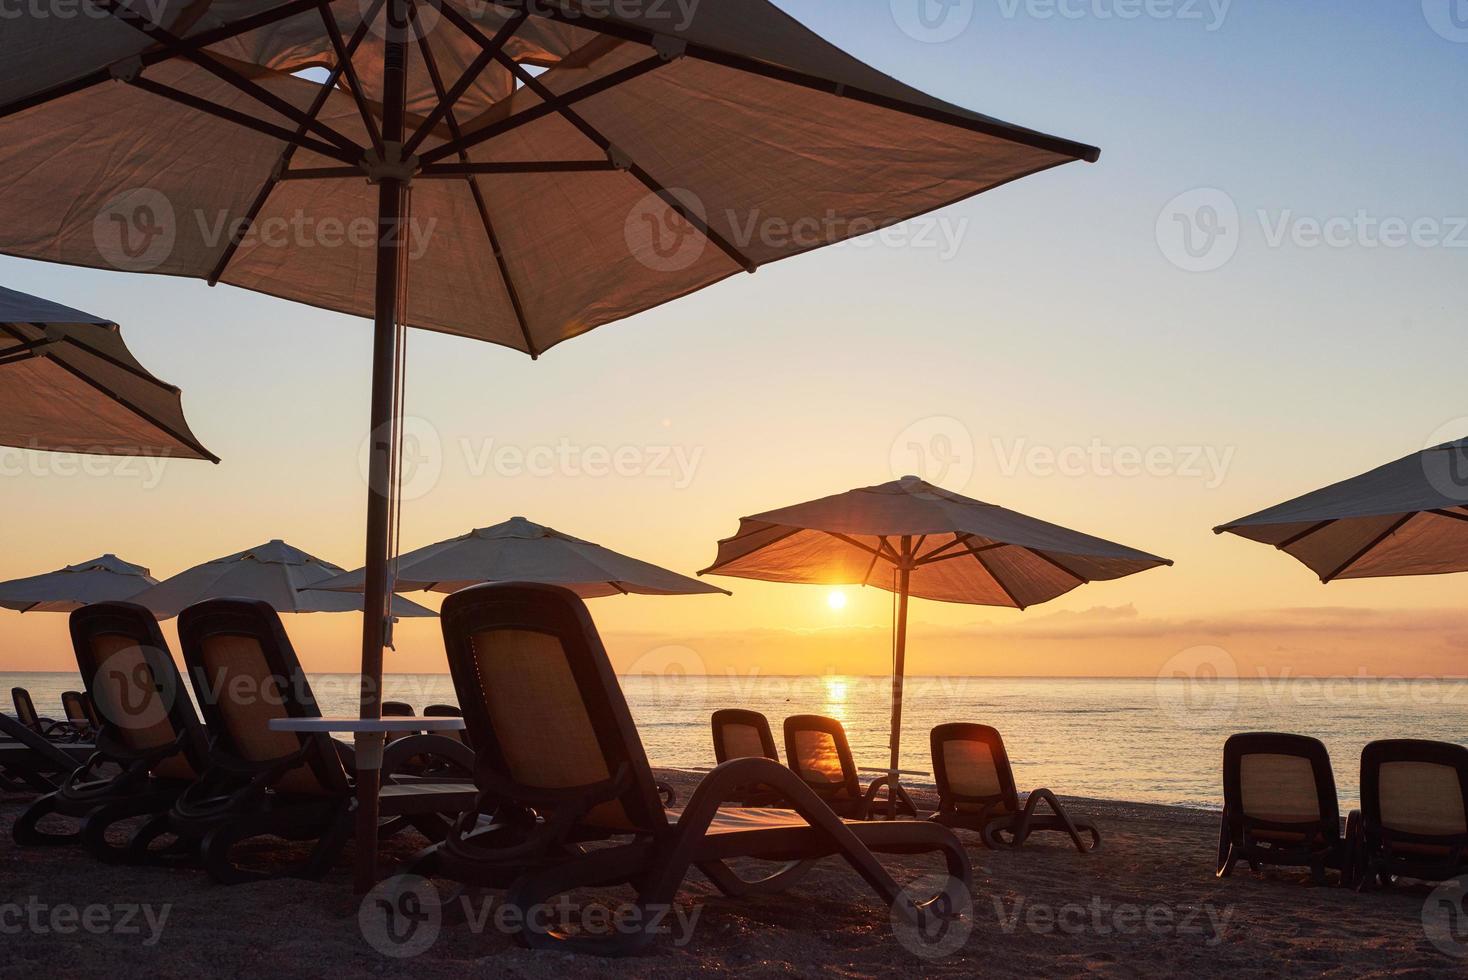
(1416, 787)
(446, 711)
(136, 687)
(245, 672)
(396, 709)
(741, 734)
(75, 709)
(543, 707)
(820, 755)
(25, 708)
(971, 768)
(1276, 778)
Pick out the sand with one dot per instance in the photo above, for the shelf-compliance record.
(1145, 905)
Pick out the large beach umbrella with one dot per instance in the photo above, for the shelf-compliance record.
(1409, 517)
(915, 539)
(523, 551)
(571, 163)
(69, 384)
(274, 572)
(104, 579)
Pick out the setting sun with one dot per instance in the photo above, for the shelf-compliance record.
(836, 599)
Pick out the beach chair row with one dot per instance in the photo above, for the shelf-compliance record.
(976, 785)
(1281, 809)
(80, 716)
(556, 765)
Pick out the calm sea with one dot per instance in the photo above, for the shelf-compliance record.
(1154, 741)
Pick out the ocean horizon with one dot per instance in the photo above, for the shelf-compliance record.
(1143, 740)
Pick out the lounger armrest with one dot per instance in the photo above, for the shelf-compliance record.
(397, 756)
(726, 782)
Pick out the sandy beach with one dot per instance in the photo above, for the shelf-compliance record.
(1145, 905)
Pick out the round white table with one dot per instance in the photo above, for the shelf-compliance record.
(369, 735)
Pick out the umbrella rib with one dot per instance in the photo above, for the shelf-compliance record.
(140, 413)
(979, 557)
(136, 372)
(447, 101)
(224, 73)
(958, 540)
(289, 152)
(1295, 539)
(1006, 131)
(147, 58)
(239, 118)
(964, 554)
(1375, 542)
(643, 177)
(524, 118)
(480, 204)
(345, 67)
(1051, 561)
(1449, 513)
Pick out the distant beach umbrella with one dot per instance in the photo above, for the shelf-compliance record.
(522, 551)
(1409, 517)
(274, 572)
(69, 384)
(914, 539)
(105, 579)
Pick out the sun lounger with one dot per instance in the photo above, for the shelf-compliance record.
(977, 792)
(79, 713)
(560, 764)
(396, 709)
(741, 734)
(1413, 821)
(264, 783)
(447, 711)
(26, 714)
(150, 746)
(30, 762)
(819, 753)
(1279, 805)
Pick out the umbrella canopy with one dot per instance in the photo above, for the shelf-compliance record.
(953, 548)
(522, 551)
(915, 539)
(652, 156)
(69, 384)
(1409, 517)
(275, 572)
(105, 579)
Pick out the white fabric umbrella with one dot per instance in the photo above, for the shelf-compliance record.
(522, 551)
(105, 579)
(1409, 517)
(69, 384)
(914, 539)
(274, 572)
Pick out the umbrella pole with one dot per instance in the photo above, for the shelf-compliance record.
(375, 607)
(899, 659)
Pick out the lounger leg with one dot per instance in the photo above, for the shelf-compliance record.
(140, 846)
(1226, 856)
(28, 833)
(731, 884)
